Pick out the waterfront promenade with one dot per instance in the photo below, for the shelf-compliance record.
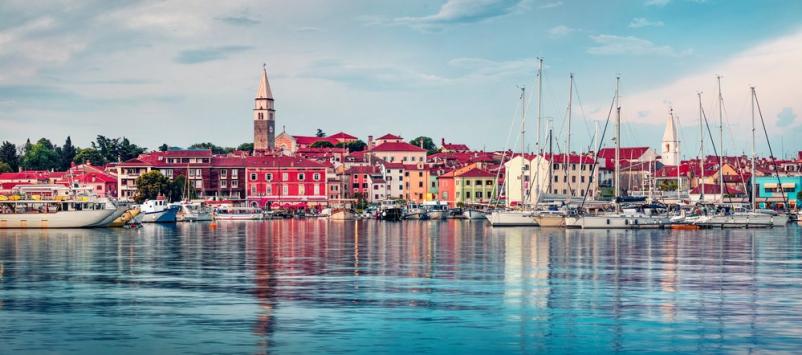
(319, 286)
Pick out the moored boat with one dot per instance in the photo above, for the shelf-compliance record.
(157, 211)
(50, 206)
(512, 218)
(237, 213)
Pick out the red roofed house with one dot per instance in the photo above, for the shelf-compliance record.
(285, 182)
(399, 152)
(343, 137)
(469, 185)
(452, 147)
(288, 144)
(92, 178)
(9, 180)
(389, 138)
(555, 174)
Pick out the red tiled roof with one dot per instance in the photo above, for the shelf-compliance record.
(362, 169)
(186, 153)
(572, 158)
(388, 136)
(625, 153)
(714, 189)
(342, 135)
(397, 147)
(309, 140)
(455, 146)
(30, 174)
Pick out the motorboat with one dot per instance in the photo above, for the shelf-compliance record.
(390, 211)
(436, 209)
(550, 218)
(50, 206)
(474, 214)
(226, 213)
(416, 212)
(157, 211)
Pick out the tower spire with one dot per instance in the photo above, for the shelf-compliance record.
(264, 116)
(264, 85)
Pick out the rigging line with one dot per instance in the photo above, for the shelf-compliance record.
(732, 141)
(582, 110)
(503, 155)
(771, 153)
(596, 153)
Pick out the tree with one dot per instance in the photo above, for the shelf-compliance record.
(164, 148)
(8, 155)
(41, 156)
(247, 147)
(320, 133)
(355, 146)
(322, 144)
(215, 148)
(114, 149)
(90, 155)
(4, 167)
(149, 185)
(668, 185)
(428, 144)
(68, 152)
(128, 151)
(179, 189)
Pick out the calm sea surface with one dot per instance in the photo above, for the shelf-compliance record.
(315, 286)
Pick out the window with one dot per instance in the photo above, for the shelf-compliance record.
(556, 167)
(420, 183)
(375, 187)
(234, 183)
(223, 183)
(400, 187)
(406, 173)
(198, 184)
(555, 191)
(420, 174)
(285, 176)
(223, 173)
(565, 178)
(489, 182)
(269, 177)
(573, 178)
(301, 189)
(467, 194)
(582, 178)
(234, 174)
(478, 194)
(467, 182)
(565, 191)
(445, 195)
(253, 190)
(316, 176)
(253, 176)
(269, 190)
(556, 179)
(364, 185)
(285, 190)
(573, 166)
(356, 176)
(301, 176)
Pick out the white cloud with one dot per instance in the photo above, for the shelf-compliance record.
(658, 3)
(486, 68)
(551, 5)
(640, 22)
(772, 67)
(561, 30)
(461, 11)
(630, 45)
(25, 49)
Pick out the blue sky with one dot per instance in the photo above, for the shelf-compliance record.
(182, 72)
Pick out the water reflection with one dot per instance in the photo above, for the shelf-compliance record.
(326, 286)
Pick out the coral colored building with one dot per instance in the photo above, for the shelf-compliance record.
(285, 182)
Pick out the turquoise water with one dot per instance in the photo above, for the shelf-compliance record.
(314, 286)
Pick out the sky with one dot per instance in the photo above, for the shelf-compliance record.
(182, 72)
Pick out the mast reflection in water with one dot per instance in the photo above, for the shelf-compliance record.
(418, 286)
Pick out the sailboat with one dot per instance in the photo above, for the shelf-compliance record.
(628, 217)
(521, 216)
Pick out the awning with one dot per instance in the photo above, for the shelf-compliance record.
(789, 184)
(770, 185)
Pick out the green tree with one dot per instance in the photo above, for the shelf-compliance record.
(355, 146)
(4, 167)
(8, 155)
(215, 148)
(179, 188)
(164, 148)
(90, 155)
(428, 144)
(68, 152)
(149, 185)
(247, 147)
(27, 146)
(322, 144)
(41, 156)
(668, 185)
(114, 149)
(320, 133)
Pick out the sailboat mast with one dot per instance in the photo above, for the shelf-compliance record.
(701, 148)
(568, 138)
(538, 148)
(679, 158)
(551, 155)
(523, 142)
(721, 140)
(617, 177)
(752, 177)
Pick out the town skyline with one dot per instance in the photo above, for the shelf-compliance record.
(80, 83)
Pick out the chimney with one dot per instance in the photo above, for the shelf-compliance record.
(442, 142)
(370, 142)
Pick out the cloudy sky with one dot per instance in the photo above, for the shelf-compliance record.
(182, 72)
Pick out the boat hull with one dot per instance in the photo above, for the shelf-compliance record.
(342, 215)
(550, 220)
(63, 219)
(166, 216)
(239, 217)
(619, 222)
(474, 214)
(512, 219)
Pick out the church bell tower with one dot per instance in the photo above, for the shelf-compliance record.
(264, 117)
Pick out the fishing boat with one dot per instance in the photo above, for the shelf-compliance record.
(416, 212)
(50, 206)
(228, 213)
(342, 210)
(390, 211)
(157, 211)
(436, 209)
